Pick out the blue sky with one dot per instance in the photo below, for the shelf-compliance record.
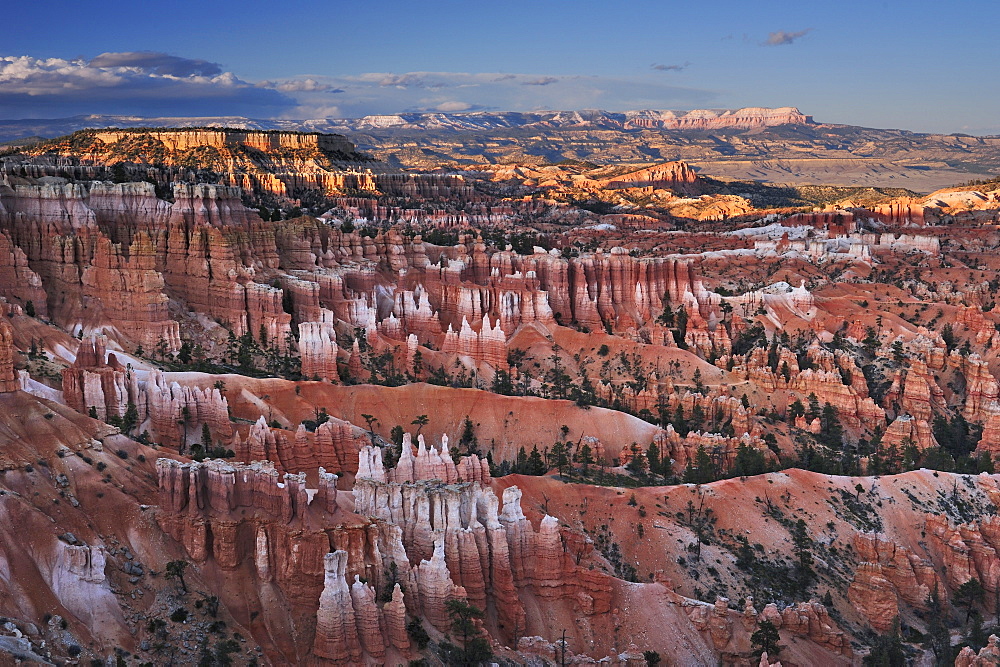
(913, 65)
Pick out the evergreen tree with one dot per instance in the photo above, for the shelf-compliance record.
(968, 595)
(474, 649)
(521, 463)
(535, 464)
(748, 461)
(887, 651)
(765, 640)
(680, 424)
(697, 418)
(801, 547)
(937, 639)
(396, 435)
(636, 464)
(420, 422)
(175, 570)
(184, 354)
(814, 410)
(559, 459)
(130, 419)
(585, 458)
(702, 470)
(976, 636)
(653, 459)
(830, 429)
(468, 441)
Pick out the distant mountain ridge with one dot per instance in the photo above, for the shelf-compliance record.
(780, 145)
(698, 119)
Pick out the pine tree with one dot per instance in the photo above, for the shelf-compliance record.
(938, 638)
(653, 459)
(800, 545)
(765, 640)
(468, 441)
(559, 457)
(535, 464)
(521, 463)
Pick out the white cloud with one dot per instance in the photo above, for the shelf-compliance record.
(453, 106)
(389, 93)
(146, 83)
(141, 83)
(157, 63)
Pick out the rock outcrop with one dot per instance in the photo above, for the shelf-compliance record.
(888, 575)
(8, 378)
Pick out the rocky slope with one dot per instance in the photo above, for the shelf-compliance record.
(347, 430)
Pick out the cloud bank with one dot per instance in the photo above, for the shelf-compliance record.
(150, 83)
(134, 83)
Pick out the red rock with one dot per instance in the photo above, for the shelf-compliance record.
(394, 612)
(988, 655)
(8, 378)
(337, 637)
(906, 430)
(318, 349)
(888, 575)
(130, 292)
(18, 283)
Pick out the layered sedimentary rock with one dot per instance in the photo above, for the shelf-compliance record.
(667, 175)
(915, 392)
(172, 413)
(988, 655)
(458, 529)
(183, 139)
(18, 283)
(683, 449)
(318, 350)
(967, 550)
(488, 345)
(702, 119)
(905, 211)
(905, 431)
(97, 380)
(829, 388)
(8, 378)
(178, 413)
(887, 575)
(337, 637)
(981, 390)
(333, 445)
(130, 292)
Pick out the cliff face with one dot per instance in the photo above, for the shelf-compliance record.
(702, 119)
(282, 164)
(181, 140)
